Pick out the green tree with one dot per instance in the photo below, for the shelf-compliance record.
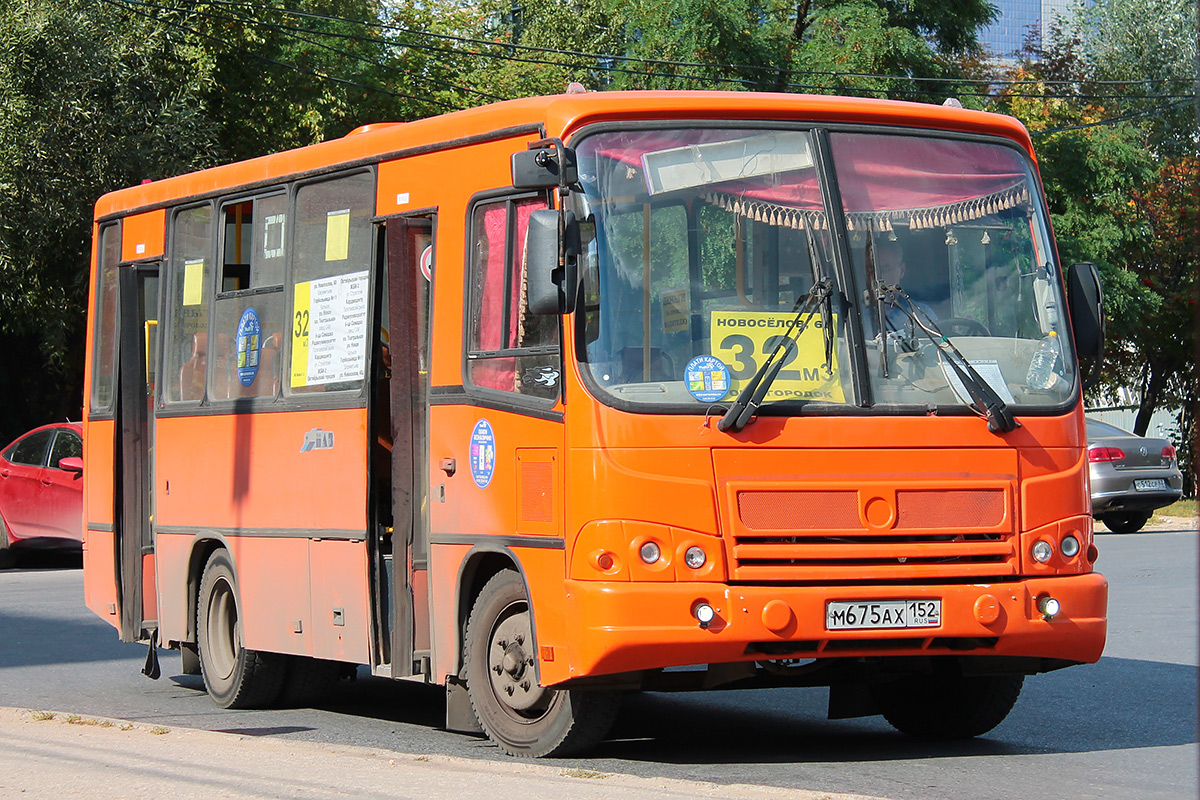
(764, 45)
(1107, 101)
(289, 73)
(90, 100)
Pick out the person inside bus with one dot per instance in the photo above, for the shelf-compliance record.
(889, 268)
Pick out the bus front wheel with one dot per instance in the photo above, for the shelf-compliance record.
(521, 717)
(234, 676)
(947, 706)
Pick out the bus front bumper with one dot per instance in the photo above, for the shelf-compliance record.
(624, 627)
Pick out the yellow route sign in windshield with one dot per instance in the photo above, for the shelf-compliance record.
(744, 339)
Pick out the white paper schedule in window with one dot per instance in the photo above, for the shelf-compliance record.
(330, 330)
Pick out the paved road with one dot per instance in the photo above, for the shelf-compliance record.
(1125, 727)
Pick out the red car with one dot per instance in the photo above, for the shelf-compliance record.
(41, 491)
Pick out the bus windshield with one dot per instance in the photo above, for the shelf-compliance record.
(702, 247)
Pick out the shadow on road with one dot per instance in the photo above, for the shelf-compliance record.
(30, 560)
(1116, 704)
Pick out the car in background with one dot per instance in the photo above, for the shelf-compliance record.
(1131, 476)
(41, 491)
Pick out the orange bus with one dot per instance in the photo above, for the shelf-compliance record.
(563, 397)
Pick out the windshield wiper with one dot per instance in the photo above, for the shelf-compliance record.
(999, 418)
(752, 394)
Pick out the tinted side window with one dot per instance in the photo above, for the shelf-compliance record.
(247, 354)
(67, 444)
(104, 342)
(189, 284)
(508, 349)
(330, 298)
(31, 450)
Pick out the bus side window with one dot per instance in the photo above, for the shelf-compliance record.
(189, 295)
(508, 349)
(249, 308)
(327, 318)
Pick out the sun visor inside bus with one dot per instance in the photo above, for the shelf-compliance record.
(923, 182)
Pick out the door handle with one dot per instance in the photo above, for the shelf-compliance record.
(449, 466)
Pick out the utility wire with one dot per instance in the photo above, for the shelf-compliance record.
(887, 91)
(128, 5)
(293, 32)
(1116, 120)
(662, 62)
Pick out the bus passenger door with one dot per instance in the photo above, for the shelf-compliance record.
(137, 360)
(404, 415)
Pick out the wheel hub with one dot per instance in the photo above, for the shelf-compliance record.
(511, 661)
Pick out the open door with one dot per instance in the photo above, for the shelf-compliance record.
(400, 419)
(137, 359)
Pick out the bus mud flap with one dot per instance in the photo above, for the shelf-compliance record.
(460, 717)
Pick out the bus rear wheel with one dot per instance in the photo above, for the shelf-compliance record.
(234, 676)
(947, 706)
(521, 717)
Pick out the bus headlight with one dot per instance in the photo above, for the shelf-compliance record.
(650, 552)
(694, 557)
(1042, 551)
(1069, 546)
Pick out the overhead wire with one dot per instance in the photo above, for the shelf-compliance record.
(596, 64)
(1116, 120)
(987, 81)
(128, 5)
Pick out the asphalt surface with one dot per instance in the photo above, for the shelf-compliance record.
(1123, 728)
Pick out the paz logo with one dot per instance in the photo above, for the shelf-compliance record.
(317, 439)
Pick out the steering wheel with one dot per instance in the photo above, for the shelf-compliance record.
(962, 326)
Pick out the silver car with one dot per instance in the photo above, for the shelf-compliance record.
(1131, 476)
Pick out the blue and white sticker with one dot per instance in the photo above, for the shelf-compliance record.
(707, 379)
(249, 345)
(483, 453)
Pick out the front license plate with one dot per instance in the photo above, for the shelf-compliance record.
(841, 615)
(1150, 485)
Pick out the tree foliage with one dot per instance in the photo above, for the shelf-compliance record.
(1117, 154)
(89, 100)
(763, 45)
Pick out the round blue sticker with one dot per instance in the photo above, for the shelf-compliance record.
(707, 379)
(249, 344)
(483, 453)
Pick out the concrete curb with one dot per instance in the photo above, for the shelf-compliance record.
(64, 756)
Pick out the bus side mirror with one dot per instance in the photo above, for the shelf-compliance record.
(1085, 296)
(551, 261)
(547, 163)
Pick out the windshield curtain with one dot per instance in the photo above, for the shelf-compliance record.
(703, 247)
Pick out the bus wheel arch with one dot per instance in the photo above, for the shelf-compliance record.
(479, 567)
(234, 676)
(203, 546)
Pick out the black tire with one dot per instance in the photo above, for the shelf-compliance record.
(522, 718)
(8, 558)
(234, 676)
(947, 706)
(308, 681)
(1130, 522)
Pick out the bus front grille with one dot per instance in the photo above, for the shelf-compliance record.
(852, 535)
